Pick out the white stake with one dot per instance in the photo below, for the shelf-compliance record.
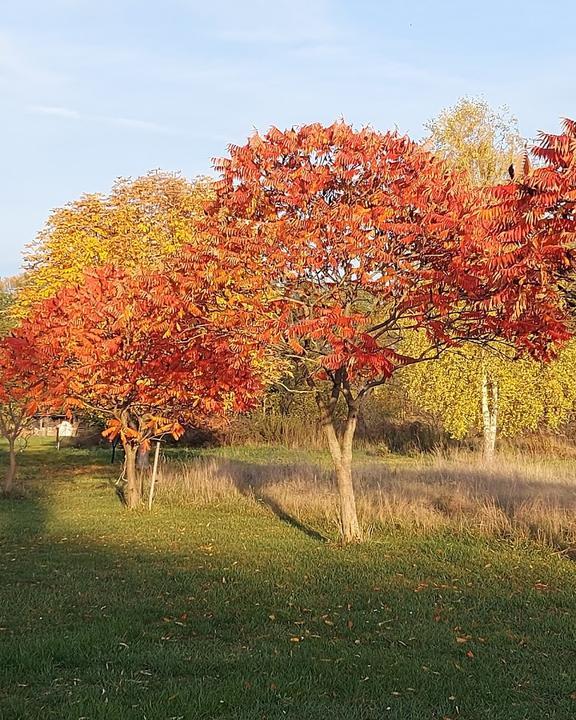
(154, 471)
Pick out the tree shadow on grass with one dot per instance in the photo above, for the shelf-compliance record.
(21, 515)
(285, 517)
(23, 511)
(192, 615)
(251, 482)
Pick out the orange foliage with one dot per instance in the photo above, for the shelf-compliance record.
(366, 236)
(533, 221)
(146, 351)
(23, 389)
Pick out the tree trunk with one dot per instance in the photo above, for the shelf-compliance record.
(341, 452)
(132, 491)
(142, 466)
(489, 415)
(142, 458)
(11, 471)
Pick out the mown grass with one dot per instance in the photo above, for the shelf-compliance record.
(221, 610)
(277, 454)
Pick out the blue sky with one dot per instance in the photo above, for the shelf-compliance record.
(95, 89)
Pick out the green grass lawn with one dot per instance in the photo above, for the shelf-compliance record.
(227, 612)
(267, 454)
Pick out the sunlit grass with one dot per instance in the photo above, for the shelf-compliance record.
(518, 497)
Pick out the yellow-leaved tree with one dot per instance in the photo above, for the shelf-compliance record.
(471, 389)
(8, 288)
(480, 142)
(137, 224)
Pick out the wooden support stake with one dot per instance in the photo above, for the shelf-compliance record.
(154, 471)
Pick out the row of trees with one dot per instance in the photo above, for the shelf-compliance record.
(321, 252)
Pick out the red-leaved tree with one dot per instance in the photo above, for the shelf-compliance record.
(23, 392)
(360, 237)
(534, 217)
(151, 353)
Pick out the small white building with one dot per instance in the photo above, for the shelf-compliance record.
(54, 426)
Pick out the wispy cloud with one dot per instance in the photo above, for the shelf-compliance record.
(62, 112)
(66, 113)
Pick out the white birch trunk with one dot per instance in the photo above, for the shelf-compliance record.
(489, 414)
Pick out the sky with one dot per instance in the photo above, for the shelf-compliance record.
(91, 90)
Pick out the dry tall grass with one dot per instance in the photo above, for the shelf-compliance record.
(517, 497)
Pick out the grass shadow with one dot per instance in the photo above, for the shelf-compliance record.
(275, 507)
(251, 481)
(210, 614)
